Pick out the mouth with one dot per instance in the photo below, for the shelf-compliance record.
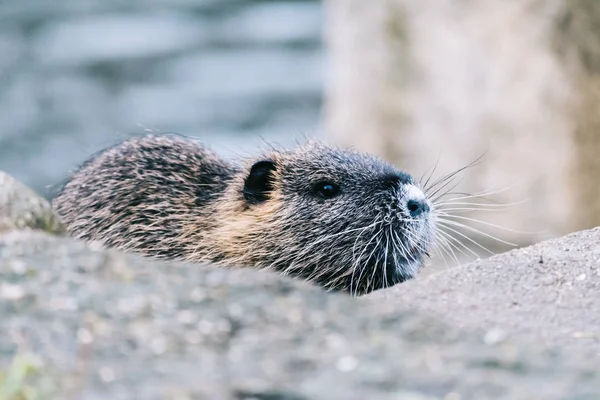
(405, 266)
(376, 273)
(415, 253)
(395, 256)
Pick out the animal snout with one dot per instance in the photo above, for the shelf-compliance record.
(417, 207)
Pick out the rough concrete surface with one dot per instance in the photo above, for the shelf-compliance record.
(109, 325)
(547, 293)
(99, 324)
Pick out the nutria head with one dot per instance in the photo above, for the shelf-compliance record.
(342, 219)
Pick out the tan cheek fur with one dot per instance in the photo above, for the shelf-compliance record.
(237, 233)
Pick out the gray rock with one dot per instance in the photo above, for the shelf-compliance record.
(21, 207)
(548, 293)
(106, 325)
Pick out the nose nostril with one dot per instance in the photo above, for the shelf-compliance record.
(417, 207)
(412, 206)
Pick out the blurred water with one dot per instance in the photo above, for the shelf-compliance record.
(78, 75)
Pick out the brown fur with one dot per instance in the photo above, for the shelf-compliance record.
(169, 197)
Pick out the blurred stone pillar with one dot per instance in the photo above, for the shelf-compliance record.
(515, 81)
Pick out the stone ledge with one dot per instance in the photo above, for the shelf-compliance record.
(112, 325)
(548, 293)
(100, 324)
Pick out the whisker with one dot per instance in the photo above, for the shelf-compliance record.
(385, 280)
(468, 210)
(356, 264)
(299, 258)
(435, 196)
(432, 171)
(466, 203)
(458, 242)
(484, 193)
(362, 269)
(352, 270)
(446, 247)
(458, 224)
(487, 224)
(470, 240)
(454, 173)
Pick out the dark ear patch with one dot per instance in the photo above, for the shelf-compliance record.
(259, 182)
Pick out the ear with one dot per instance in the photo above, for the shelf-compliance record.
(259, 182)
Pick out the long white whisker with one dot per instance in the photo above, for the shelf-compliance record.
(470, 240)
(362, 269)
(458, 224)
(469, 209)
(356, 265)
(485, 223)
(445, 246)
(432, 172)
(457, 243)
(484, 193)
(434, 195)
(454, 173)
(459, 203)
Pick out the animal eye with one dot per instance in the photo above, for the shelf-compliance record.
(327, 190)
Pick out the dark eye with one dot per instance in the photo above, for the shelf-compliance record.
(327, 190)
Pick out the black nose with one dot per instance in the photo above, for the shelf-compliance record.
(417, 207)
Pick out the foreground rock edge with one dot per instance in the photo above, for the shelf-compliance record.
(22, 208)
(547, 293)
(164, 329)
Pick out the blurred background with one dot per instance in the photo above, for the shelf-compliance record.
(418, 83)
(79, 75)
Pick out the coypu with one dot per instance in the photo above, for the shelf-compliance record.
(344, 220)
